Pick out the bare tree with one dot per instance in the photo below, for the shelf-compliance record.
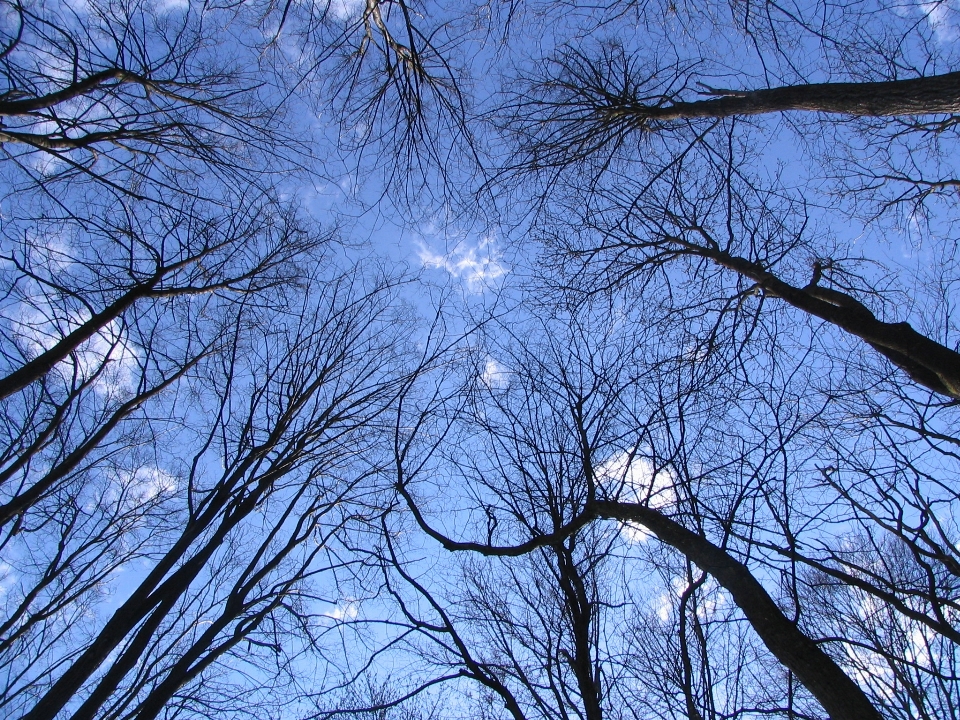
(642, 144)
(126, 92)
(703, 471)
(293, 425)
(553, 449)
(93, 330)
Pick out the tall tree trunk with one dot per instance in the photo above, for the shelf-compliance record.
(47, 360)
(918, 96)
(926, 361)
(838, 694)
(580, 609)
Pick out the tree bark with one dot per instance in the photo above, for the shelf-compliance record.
(918, 96)
(581, 611)
(47, 360)
(149, 604)
(838, 694)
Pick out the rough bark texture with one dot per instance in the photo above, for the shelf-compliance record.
(918, 96)
(838, 694)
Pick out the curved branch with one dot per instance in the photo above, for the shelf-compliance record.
(837, 693)
(71, 92)
(523, 548)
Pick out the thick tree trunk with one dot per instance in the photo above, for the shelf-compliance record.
(918, 96)
(26, 106)
(580, 610)
(840, 696)
(926, 361)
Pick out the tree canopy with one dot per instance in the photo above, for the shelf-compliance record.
(502, 359)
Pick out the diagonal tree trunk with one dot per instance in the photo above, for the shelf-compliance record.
(47, 360)
(926, 361)
(840, 696)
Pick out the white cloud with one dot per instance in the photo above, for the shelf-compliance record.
(941, 19)
(633, 478)
(696, 353)
(347, 9)
(664, 606)
(347, 609)
(494, 376)
(712, 599)
(144, 484)
(51, 250)
(8, 578)
(172, 5)
(478, 266)
(869, 669)
(46, 164)
(129, 490)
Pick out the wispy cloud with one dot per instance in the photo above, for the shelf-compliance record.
(494, 376)
(347, 609)
(134, 489)
(942, 19)
(478, 265)
(8, 579)
(173, 5)
(347, 9)
(712, 601)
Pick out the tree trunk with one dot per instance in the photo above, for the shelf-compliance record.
(47, 360)
(926, 361)
(918, 96)
(838, 694)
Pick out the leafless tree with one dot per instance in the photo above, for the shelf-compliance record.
(103, 319)
(228, 537)
(703, 471)
(128, 93)
(575, 431)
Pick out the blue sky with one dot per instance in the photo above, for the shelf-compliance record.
(484, 252)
